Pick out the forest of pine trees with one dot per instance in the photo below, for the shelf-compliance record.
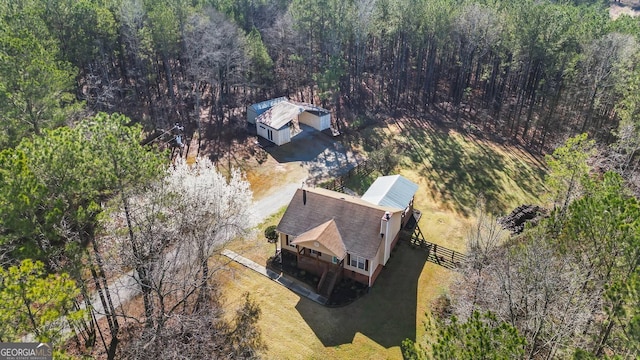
(82, 81)
(527, 70)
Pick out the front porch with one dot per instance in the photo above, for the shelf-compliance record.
(312, 264)
(330, 272)
(344, 290)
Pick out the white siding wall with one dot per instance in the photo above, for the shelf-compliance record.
(317, 122)
(325, 122)
(283, 242)
(282, 136)
(379, 256)
(309, 119)
(278, 137)
(262, 130)
(348, 266)
(392, 229)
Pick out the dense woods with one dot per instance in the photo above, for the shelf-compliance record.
(529, 71)
(82, 83)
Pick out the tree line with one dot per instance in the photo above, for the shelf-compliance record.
(528, 70)
(87, 207)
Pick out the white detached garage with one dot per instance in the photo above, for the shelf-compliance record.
(316, 117)
(257, 109)
(278, 119)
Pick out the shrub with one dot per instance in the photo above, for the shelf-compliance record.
(271, 234)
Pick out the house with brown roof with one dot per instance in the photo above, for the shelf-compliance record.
(335, 235)
(278, 120)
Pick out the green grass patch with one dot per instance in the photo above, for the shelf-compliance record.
(459, 170)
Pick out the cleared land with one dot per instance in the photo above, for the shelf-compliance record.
(452, 169)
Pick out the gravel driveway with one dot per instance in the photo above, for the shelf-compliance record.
(322, 155)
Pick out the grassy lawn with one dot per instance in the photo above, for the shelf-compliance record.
(453, 171)
(370, 328)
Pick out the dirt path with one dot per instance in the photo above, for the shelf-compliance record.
(270, 204)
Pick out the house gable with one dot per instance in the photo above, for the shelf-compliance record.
(325, 238)
(280, 115)
(357, 221)
(277, 120)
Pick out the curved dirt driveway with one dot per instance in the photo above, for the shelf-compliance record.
(322, 156)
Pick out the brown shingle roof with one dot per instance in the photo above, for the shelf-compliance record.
(327, 235)
(357, 221)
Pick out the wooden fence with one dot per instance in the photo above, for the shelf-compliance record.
(437, 254)
(337, 184)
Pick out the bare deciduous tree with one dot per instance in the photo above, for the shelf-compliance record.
(483, 241)
(177, 224)
(528, 285)
(216, 57)
(202, 334)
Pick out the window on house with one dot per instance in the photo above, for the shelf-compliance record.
(359, 262)
(334, 260)
(313, 252)
(288, 241)
(270, 134)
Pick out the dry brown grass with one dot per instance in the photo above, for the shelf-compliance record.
(370, 328)
(271, 174)
(628, 7)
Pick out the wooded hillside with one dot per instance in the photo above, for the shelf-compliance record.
(83, 82)
(527, 70)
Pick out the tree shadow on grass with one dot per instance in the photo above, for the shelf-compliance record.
(529, 171)
(386, 315)
(459, 173)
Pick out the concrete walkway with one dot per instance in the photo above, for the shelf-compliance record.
(291, 285)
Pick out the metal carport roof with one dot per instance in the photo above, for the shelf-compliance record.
(393, 191)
